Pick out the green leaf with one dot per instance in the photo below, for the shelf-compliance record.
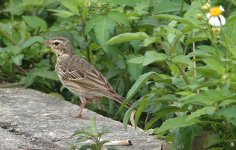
(139, 84)
(92, 22)
(149, 40)
(193, 10)
(176, 18)
(163, 112)
(194, 39)
(125, 2)
(214, 65)
(61, 13)
(128, 113)
(47, 75)
(135, 66)
(17, 59)
(136, 87)
(228, 35)
(126, 37)
(209, 110)
(166, 6)
(70, 4)
(182, 59)
(153, 56)
(39, 72)
(119, 18)
(229, 114)
(102, 29)
(207, 98)
(177, 122)
(142, 105)
(199, 53)
(211, 141)
(31, 41)
(227, 102)
(35, 22)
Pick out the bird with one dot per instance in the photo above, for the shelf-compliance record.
(79, 76)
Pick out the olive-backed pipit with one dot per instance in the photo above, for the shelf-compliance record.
(78, 75)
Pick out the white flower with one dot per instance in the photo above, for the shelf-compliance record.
(214, 16)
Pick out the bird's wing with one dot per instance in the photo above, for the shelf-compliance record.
(78, 72)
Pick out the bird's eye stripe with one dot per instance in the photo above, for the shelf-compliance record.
(56, 43)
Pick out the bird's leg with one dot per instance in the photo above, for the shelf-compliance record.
(83, 103)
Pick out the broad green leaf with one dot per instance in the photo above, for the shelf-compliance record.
(35, 22)
(70, 4)
(214, 65)
(31, 41)
(47, 75)
(128, 112)
(126, 37)
(92, 22)
(136, 60)
(165, 6)
(139, 83)
(163, 112)
(227, 102)
(149, 40)
(39, 72)
(199, 53)
(135, 66)
(206, 98)
(176, 18)
(136, 87)
(125, 2)
(28, 80)
(211, 141)
(102, 29)
(229, 30)
(231, 20)
(119, 18)
(182, 59)
(177, 122)
(209, 110)
(209, 49)
(17, 59)
(195, 39)
(229, 114)
(228, 36)
(30, 3)
(62, 13)
(153, 56)
(193, 10)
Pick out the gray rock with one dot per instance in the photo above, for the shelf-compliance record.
(31, 120)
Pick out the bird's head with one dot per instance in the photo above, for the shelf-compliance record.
(60, 45)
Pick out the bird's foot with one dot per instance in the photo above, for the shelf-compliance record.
(76, 115)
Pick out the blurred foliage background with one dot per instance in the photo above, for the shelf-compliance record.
(163, 56)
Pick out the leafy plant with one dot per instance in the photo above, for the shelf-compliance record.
(163, 56)
(91, 133)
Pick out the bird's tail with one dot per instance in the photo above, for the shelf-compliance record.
(120, 100)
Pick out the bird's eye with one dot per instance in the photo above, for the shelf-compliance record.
(56, 43)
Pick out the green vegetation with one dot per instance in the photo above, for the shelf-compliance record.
(92, 134)
(162, 55)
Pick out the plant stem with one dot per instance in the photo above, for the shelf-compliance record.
(183, 74)
(181, 12)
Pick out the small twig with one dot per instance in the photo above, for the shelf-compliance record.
(119, 143)
(113, 143)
